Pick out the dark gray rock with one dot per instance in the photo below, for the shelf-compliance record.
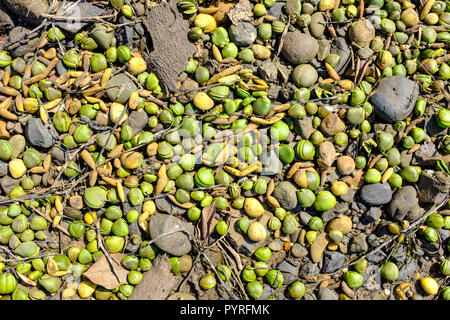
(37, 134)
(3, 169)
(243, 34)
(289, 269)
(406, 158)
(177, 243)
(30, 11)
(5, 21)
(120, 87)
(376, 257)
(304, 127)
(427, 153)
(286, 194)
(372, 240)
(165, 205)
(137, 120)
(20, 33)
(267, 292)
(349, 197)
(407, 269)
(309, 269)
(371, 215)
(275, 10)
(399, 255)
(431, 183)
(340, 47)
(376, 194)
(102, 36)
(358, 244)
(77, 11)
(8, 184)
(268, 71)
(327, 294)
(444, 234)
(332, 261)
(395, 98)
(57, 153)
(404, 205)
(299, 251)
(125, 33)
(271, 163)
(61, 68)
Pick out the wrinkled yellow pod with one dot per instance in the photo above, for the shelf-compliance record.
(206, 22)
(203, 101)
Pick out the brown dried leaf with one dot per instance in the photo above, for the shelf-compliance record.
(101, 273)
(25, 280)
(241, 12)
(157, 283)
(207, 217)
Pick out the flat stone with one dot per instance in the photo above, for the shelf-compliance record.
(3, 169)
(37, 134)
(309, 269)
(286, 194)
(431, 183)
(166, 206)
(137, 120)
(178, 243)
(407, 269)
(340, 47)
(8, 184)
(371, 215)
(275, 245)
(376, 194)
(404, 205)
(359, 244)
(30, 11)
(376, 257)
(289, 269)
(299, 251)
(271, 163)
(327, 294)
(304, 127)
(349, 196)
(268, 71)
(333, 261)
(243, 34)
(394, 98)
(120, 87)
(81, 9)
(267, 292)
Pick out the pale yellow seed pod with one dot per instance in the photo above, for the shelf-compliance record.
(149, 206)
(120, 192)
